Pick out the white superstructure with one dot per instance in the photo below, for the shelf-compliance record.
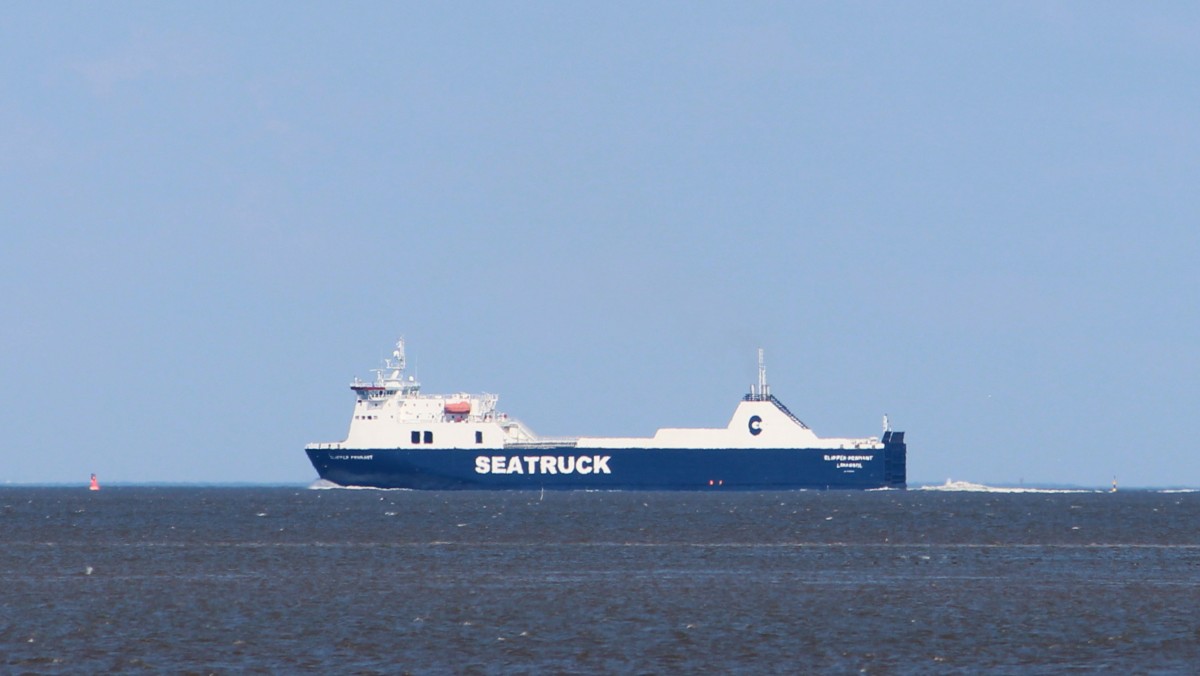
(760, 421)
(391, 412)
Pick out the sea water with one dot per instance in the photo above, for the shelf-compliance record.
(144, 579)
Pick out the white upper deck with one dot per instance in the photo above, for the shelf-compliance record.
(401, 396)
(391, 412)
(760, 421)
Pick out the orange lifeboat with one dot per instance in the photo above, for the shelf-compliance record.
(458, 407)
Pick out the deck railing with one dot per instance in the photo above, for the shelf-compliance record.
(778, 404)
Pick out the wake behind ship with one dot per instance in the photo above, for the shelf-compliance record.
(401, 438)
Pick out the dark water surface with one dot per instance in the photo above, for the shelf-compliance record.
(280, 579)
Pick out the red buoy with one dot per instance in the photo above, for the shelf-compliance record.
(95, 484)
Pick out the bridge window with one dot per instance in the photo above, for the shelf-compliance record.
(428, 437)
(416, 437)
(478, 437)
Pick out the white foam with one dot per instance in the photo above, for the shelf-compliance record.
(968, 487)
(323, 485)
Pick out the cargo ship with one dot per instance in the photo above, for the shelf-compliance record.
(402, 438)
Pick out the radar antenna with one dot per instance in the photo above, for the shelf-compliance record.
(398, 354)
(393, 366)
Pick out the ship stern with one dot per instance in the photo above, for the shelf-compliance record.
(895, 460)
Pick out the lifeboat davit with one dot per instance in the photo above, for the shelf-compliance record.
(458, 407)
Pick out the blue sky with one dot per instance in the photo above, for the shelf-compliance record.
(978, 218)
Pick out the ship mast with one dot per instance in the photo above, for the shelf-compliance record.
(391, 376)
(763, 390)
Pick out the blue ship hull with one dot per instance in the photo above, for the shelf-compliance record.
(572, 468)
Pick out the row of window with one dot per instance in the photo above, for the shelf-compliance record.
(426, 436)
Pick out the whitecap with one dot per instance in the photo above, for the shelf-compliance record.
(968, 487)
